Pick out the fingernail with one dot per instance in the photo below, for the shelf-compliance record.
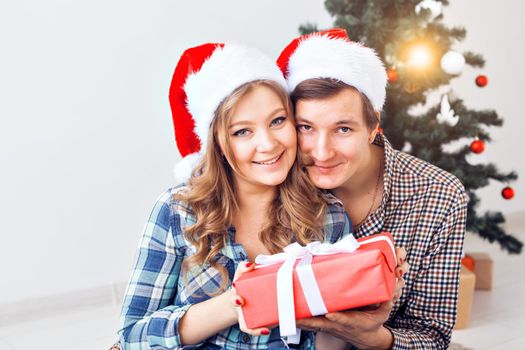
(399, 273)
(237, 301)
(249, 264)
(233, 284)
(401, 260)
(265, 332)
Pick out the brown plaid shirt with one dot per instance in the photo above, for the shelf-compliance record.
(425, 209)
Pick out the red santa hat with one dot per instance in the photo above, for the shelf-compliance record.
(204, 76)
(331, 54)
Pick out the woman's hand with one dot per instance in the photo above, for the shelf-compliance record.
(238, 301)
(401, 268)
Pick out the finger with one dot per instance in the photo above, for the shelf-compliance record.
(313, 323)
(256, 331)
(251, 331)
(342, 318)
(243, 267)
(385, 307)
(402, 269)
(400, 284)
(405, 266)
(238, 300)
(369, 307)
(401, 255)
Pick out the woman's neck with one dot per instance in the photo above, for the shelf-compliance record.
(253, 203)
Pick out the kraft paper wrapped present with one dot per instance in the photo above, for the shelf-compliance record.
(319, 278)
(482, 267)
(467, 282)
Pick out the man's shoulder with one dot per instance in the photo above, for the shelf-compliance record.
(423, 173)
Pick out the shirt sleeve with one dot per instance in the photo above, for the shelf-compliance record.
(337, 222)
(149, 318)
(427, 319)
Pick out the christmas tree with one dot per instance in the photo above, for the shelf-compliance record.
(417, 48)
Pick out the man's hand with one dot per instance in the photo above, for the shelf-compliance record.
(363, 327)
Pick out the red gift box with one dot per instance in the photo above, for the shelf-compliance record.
(345, 280)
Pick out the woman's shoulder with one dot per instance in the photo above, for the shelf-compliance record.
(172, 199)
(171, 211)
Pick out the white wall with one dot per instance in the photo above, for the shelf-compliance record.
(86, 140)
(495, 30)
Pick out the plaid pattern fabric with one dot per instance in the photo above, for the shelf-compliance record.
(158, 296)
(425, 209)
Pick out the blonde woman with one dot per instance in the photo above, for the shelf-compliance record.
(246, 194)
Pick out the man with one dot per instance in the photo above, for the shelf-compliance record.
(338, 88)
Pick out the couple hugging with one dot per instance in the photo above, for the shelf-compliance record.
(282, 152)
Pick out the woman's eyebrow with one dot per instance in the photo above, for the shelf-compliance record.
(248, 122)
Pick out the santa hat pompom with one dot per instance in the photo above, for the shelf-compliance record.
(184, 167)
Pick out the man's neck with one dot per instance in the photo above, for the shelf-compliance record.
(365, 178)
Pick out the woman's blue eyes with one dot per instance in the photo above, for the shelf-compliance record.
(242, 132)
(278, 121)
(275, 122)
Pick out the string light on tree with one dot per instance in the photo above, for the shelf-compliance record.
(452, 63)
(419, 55)
(482, 80)
(507, 193)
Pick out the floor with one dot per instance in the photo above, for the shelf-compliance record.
(497, 319)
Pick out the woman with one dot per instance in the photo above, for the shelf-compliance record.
(247, 195)
(338, 88)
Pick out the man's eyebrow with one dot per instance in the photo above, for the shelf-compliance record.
(339, 122)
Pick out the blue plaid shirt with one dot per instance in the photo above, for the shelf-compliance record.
(157, 297)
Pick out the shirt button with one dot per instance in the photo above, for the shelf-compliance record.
(246, 338)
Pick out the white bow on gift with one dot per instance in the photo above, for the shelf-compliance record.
(305, 273)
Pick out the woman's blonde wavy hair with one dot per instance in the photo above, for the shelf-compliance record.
(295, 215)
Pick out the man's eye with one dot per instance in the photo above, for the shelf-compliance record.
(242, 132)
(277, 121)
(344, 129)
(304, 127)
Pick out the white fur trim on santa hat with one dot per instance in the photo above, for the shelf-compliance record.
(320, 56)
(226, 69)
(185, 167)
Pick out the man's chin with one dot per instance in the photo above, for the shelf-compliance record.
(324, 182)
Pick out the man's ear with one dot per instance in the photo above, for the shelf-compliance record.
(374, 131)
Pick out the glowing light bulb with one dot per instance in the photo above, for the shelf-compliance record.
(419, 56)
